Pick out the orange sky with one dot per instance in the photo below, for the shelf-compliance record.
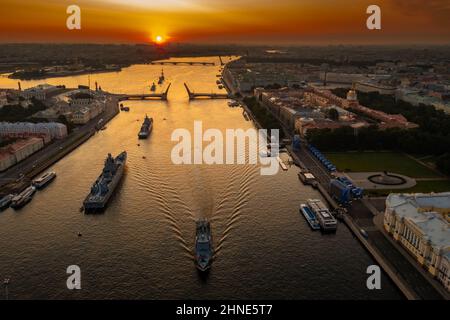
(218, 21)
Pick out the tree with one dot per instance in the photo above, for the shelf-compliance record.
(443, 163)
(333, 114)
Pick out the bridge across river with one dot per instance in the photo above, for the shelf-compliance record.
(175, 63)
(145, 96)
(195, 95)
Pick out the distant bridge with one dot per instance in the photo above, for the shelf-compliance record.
(176, 63)
(146, 96)
(195, 95)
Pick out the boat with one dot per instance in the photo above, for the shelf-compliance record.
(122, 108)
(6, 201)
(44, 180)
(220, 86)
(233, 103)
(153, 87)
(146, 128)
(282, 164)
(218, 82)
(106, 183)
(326, 219)
(364, 233)
(310, 217)
(306, 177)
(203, 245)
(99, 124)
(161, 77)
(23, 198)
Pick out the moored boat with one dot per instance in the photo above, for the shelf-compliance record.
(23, 198)
(326, 219)
(310, 217)
(6, 201)
(44, 180)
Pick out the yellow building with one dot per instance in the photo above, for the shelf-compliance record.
(419, 222)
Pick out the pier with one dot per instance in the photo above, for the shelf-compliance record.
(146, 96)
(176, 63)
(195, 95)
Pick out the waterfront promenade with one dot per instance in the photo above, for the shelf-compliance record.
(409, 280)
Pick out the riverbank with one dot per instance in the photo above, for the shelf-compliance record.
(19, 176)
(40, 76)
(411, 283)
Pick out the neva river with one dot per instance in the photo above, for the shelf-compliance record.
(141, 247)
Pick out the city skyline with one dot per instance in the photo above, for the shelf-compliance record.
(199, 21)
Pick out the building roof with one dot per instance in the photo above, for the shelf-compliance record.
(419, 210)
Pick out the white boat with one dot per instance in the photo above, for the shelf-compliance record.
(326, 219)
(44, 180)
(23, 198)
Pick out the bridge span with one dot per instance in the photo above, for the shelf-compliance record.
(195, 95)
(146, 96)
(176, 63)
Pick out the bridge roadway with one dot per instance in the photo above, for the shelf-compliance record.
(176, 63)
(194, 95)
(145, 96)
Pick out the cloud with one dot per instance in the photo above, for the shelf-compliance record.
(158, 5)
(434, 8)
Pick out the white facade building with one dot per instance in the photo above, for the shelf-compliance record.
(54, 130)
(39, 92)
(420, 223)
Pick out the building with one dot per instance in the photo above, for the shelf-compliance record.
(81, 116)
(301, 110)
(19, 150)
(415, 97)
(370, 86)
(420, 223)
(7, 160)
(326, 98)
(81, 99)
(51, 130)
(40, 92)
(88, 112)
(243, 77)
(3, 99)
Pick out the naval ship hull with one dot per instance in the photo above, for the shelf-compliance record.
(101, 205)
(93, 205)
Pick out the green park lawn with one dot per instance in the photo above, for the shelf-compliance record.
(380, 161)
(422, 186)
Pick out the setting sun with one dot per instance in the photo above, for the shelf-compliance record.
(159, 39)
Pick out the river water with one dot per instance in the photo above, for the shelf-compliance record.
(141, 247)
